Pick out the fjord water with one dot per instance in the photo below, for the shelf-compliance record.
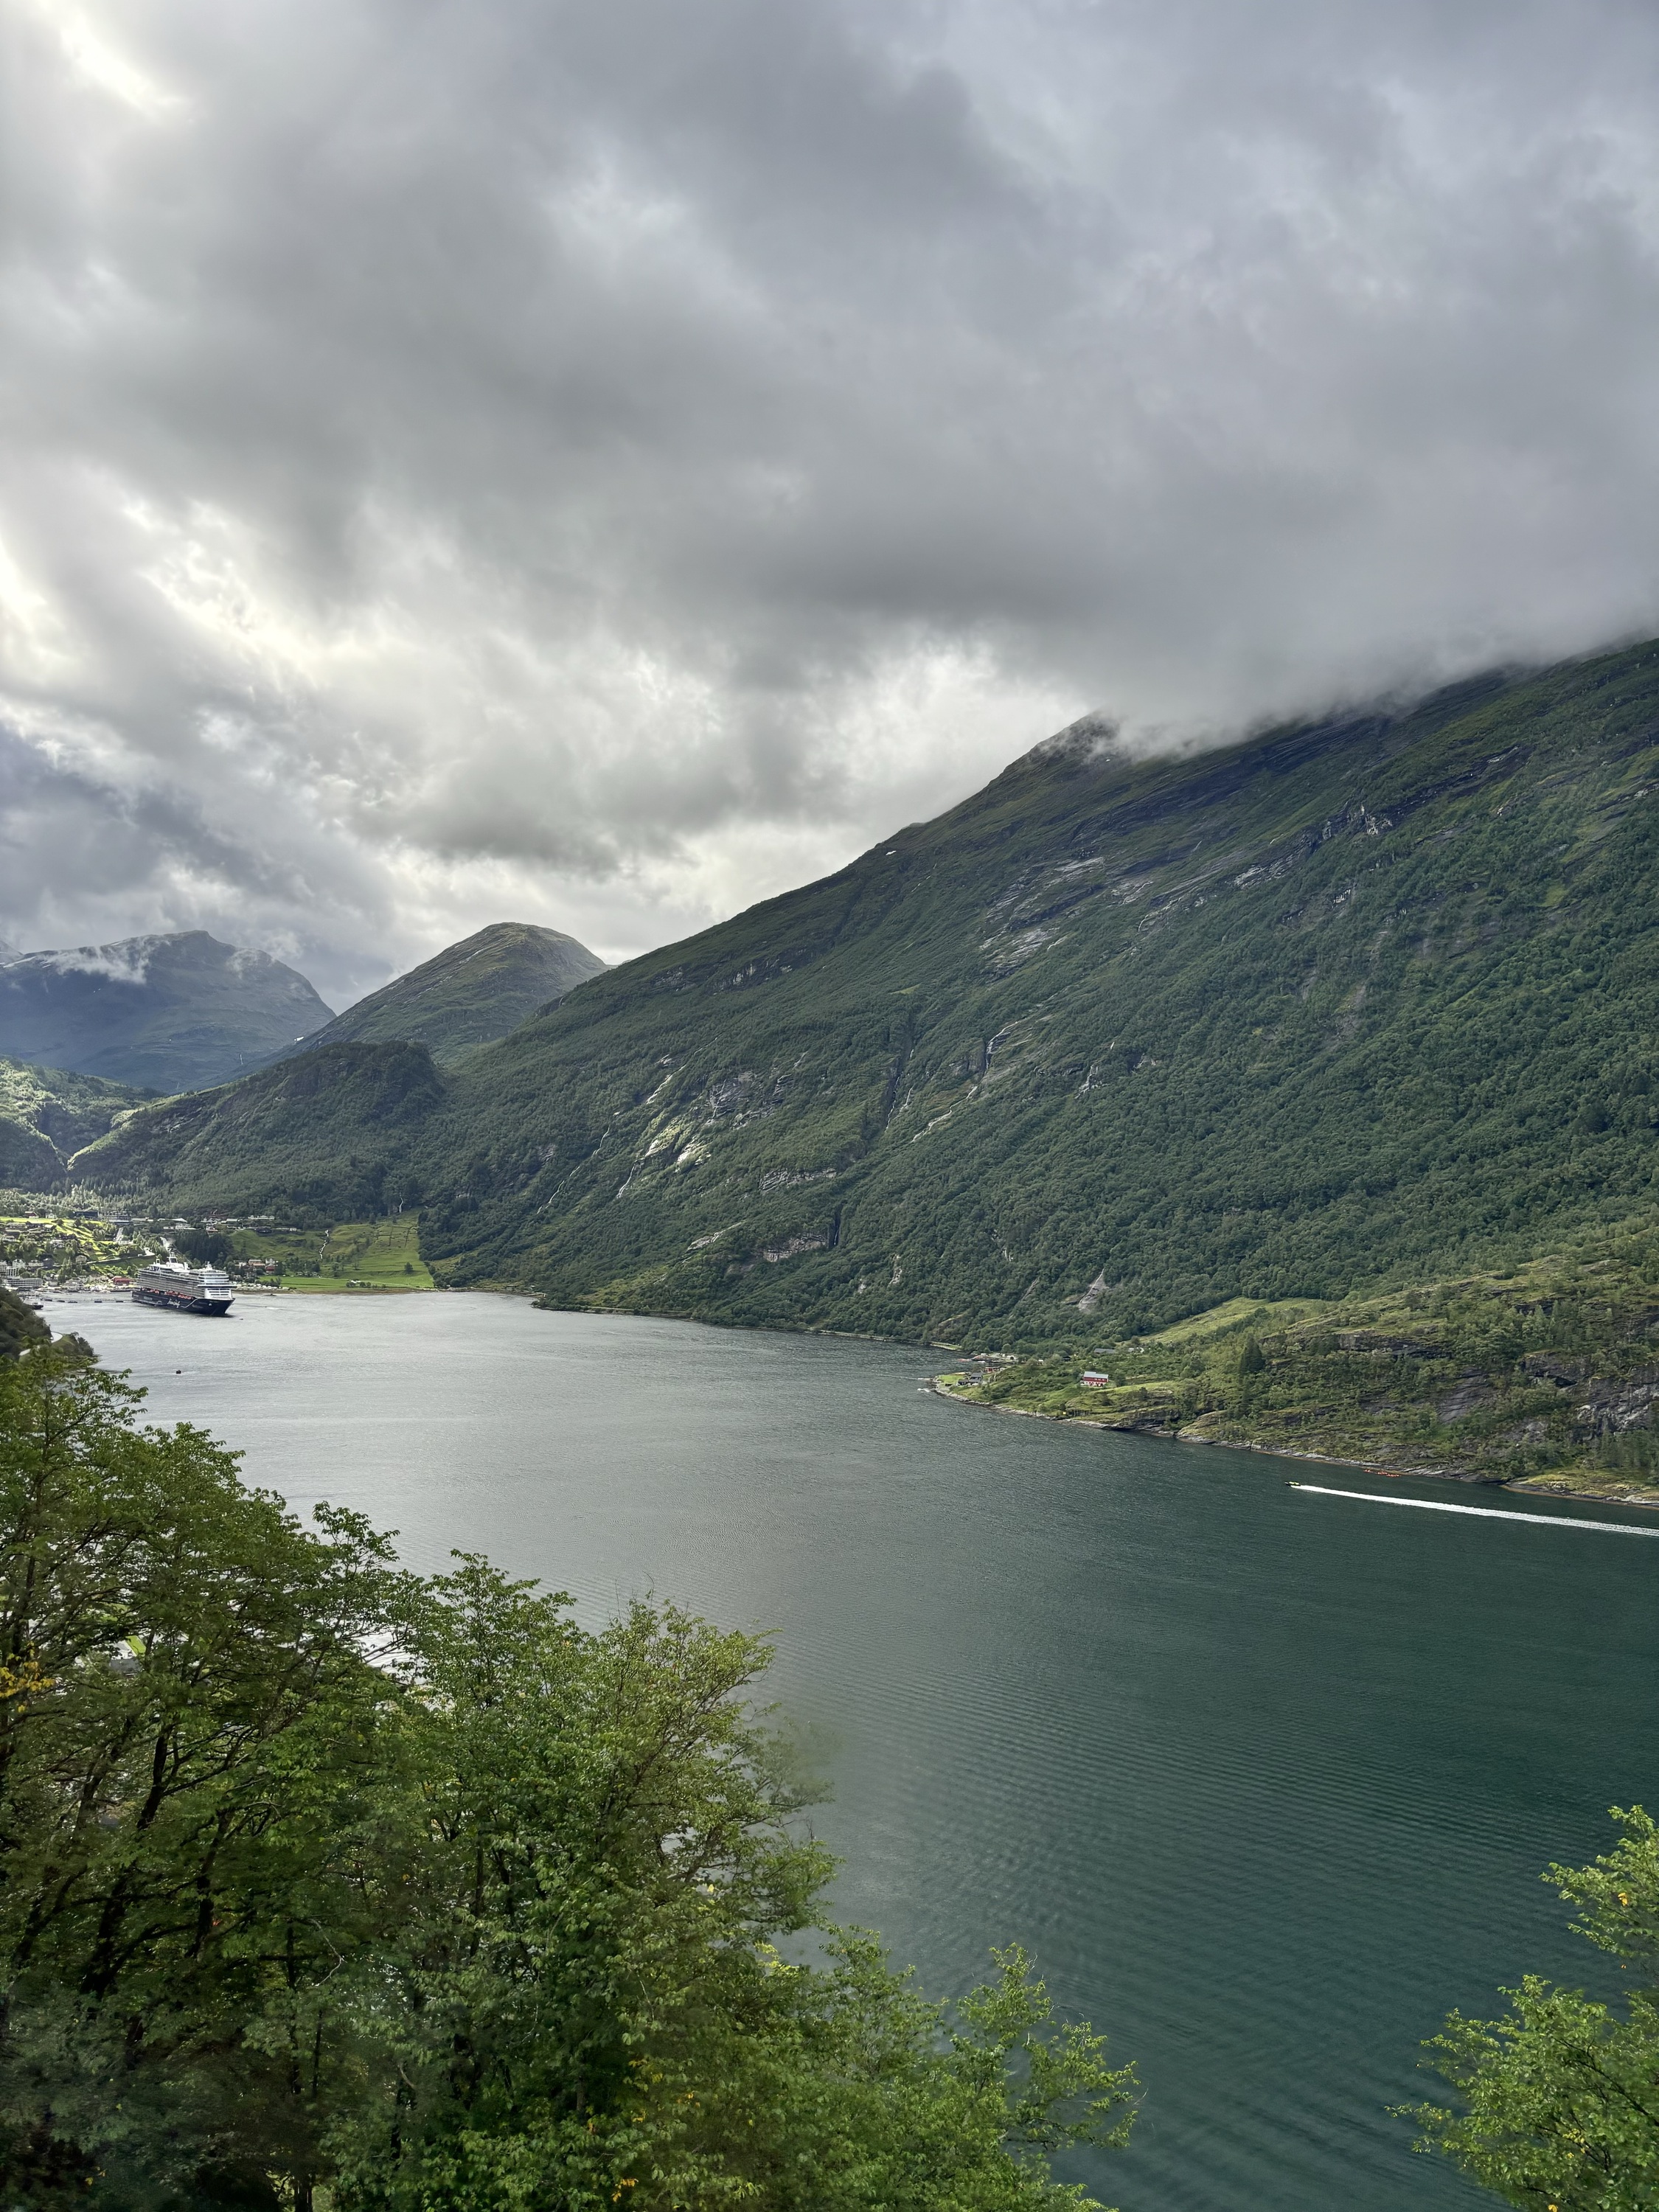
(1264, 1780)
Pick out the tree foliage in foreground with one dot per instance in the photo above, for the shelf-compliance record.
(318, 1877)
(1560, 2099)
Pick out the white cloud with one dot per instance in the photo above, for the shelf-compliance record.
(602, 463)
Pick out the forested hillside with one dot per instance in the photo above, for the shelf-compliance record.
(21, 1328)
(47, 1115)
(1545, 1376)
(466, 995)
(327, 1136)
(1350, 1002)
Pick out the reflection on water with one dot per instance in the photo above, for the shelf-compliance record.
(1263, 1781)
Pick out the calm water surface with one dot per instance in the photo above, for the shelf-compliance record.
(1263, 1780)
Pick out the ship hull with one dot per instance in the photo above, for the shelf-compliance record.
(195, 1305)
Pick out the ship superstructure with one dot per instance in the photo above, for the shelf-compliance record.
(187, 1290)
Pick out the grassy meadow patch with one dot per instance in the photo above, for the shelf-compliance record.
(1547, 1377)
(352, 1255)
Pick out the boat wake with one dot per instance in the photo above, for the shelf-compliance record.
(1480, 1512)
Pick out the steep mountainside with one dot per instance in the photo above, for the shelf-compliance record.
(326, 1137)
(467, 995)
(46, 1114)
(1349, 1004)
(171, 1013)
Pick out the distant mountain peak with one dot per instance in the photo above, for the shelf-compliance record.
(1092, 737)
(171, 1011)
(467, 995)
(127, 962)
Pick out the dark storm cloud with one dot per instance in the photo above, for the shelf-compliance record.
(602, 461)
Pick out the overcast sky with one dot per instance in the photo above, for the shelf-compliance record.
(600, 462)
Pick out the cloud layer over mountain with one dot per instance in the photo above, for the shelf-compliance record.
(601, 461)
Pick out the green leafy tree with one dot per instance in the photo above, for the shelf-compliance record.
(205, 1248)
(316, 1874)
(21, 1328)
(187, 1717)
(587, 2003)
(1560, 2098)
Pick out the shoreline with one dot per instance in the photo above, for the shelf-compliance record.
(307, 1287)
(1529, 1487)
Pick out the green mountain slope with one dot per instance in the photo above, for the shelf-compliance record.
(47, 1113)
(467, 995)
(1545, 1377)
(325, 1137)
(1352, 1003)
(170, 1013)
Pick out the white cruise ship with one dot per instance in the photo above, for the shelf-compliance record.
(187, 1290)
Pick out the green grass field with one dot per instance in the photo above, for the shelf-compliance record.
(1273, 1313)
(353, 1255)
